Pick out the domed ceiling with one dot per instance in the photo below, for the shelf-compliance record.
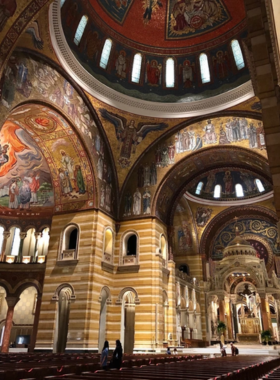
(181, 29)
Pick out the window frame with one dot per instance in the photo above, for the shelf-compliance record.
(204, 81)
(78, 37)
(167, 85)
(101, 64)
(140, 70)
(236, 55)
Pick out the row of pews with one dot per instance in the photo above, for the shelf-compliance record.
(136, 367)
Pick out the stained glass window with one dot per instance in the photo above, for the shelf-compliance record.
(239, 190)
(80, 30)
(136, 68)
(199, 188)
(217, 191)
(170, 73)
(237, 53)
(259, 185)
(105, 53)
(204, 68)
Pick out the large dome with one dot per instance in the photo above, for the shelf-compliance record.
(160, 31)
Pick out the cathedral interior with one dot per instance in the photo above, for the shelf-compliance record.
(139, 173)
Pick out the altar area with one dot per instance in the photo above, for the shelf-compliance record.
(250, 330)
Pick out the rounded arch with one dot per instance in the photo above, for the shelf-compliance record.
(105, 291)
(126, 236)
(66, 235)
(8, 287)
(108, 243)
(124, 291)
(24, 284)
(173, 184)
(65, 285)
(165, 298)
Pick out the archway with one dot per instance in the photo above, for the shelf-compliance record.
(128, 325)
(104, 298)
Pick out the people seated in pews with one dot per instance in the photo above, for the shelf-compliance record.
(168, 351)
(223, 350)
(234, 350)
(175, 352)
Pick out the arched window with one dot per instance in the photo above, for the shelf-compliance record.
(204, 68)
(199, 188)
(136, 68)
(61, 3)
(170, 73)
(259, 185)
(69, 249)
(237, 53)
(217, 191)
(108, 242)
(105, 54)
(80, 30)
(163, 247)
(239, 190)
(131, 245)
(16, 241)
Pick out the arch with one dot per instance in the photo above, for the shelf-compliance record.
(237, 54)
(105, 290)
(108, 244)
(72, 295)
(104, 299)
(80, 29)
(136, 68)
(130, 241)
(170, 73)
(163, 246)
(204, 68)
(105, 55)
(125, 290)
(69, 246)
(22, 285)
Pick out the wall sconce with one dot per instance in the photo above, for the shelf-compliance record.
(10, 259)
(26, 259)
(41, 259)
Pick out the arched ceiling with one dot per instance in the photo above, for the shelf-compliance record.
(175, 25)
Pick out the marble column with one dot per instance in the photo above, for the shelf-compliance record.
(35, 323)
(235, 319)
(11, 301)
(222, 310)
(22, 237)
(6, 236)
(38, 235)
(265, 322)
(229, 320)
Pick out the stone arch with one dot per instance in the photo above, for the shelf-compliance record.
(72, 295)
(21, 286)
(125, 290)
(107, 291)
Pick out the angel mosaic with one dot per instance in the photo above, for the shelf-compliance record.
(128, 134)
(202, 216)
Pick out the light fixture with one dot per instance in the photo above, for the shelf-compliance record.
(26, 259)
(41, 259)
(10, 259)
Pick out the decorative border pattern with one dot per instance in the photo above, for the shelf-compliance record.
(129, 104)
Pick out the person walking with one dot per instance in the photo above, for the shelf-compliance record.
(117, 356)
(104, 355)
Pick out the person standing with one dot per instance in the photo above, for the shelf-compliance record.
(104, 355)
(117, 356)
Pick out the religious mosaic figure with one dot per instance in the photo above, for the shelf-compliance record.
(137, 202)
(147, 202)
(121, 64)
(228, 181)
(210, 136)
(252, 135)
(186, 73)
(260, 136)
(128, 135)
(153, 73)
(153, 174)
(202, 216)
(127, 204)
(210, 182)
(150, 6)
(7, 10)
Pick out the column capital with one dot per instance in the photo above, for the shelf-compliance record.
(12, 300)
(38, 235)
(23, 235)
(6, 234)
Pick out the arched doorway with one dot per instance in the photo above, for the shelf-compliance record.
(128, 321)
(62, 320)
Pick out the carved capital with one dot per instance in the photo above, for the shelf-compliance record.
(12, 301)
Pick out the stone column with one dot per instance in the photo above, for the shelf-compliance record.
(38, 235)
(22, 237)
(170, 232)
(235, 318)
(264, 315)
(11, 301)
(229, 319)
(6, 236)
(35, 323)
(221, 310)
